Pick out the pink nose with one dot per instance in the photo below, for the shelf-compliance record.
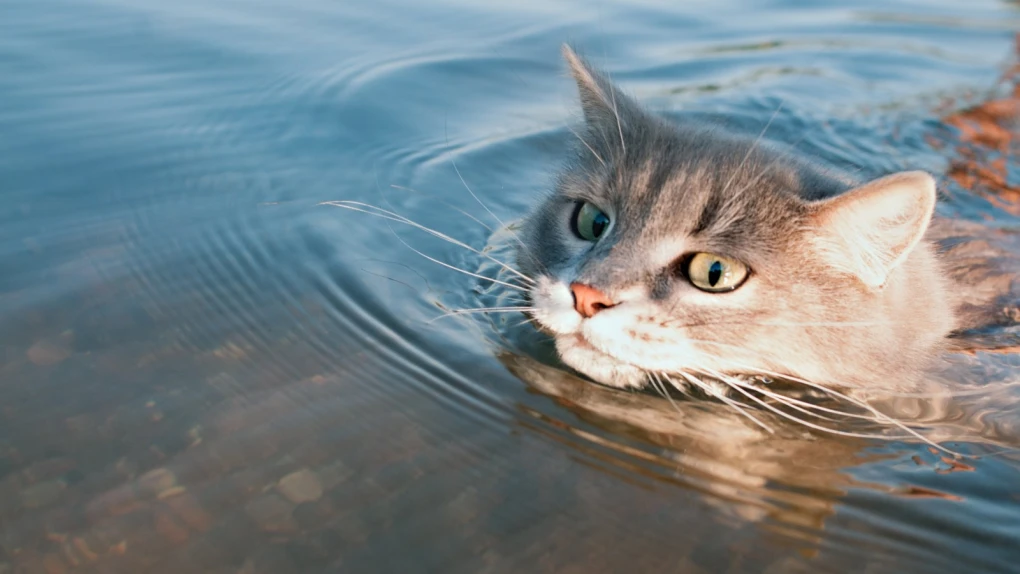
(589, 300)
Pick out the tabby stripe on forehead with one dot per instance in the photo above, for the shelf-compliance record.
(661, 172)
(709, 213)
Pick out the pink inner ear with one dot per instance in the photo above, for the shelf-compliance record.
(870, 230)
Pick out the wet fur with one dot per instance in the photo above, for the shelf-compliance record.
(672, 189)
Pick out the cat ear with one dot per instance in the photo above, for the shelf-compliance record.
(603, 104)
(870, 230)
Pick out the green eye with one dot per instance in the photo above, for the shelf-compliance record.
(715, 273)
(589, 222)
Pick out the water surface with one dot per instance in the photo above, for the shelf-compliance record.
(204, 370)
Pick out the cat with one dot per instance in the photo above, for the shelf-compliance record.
(680, 252)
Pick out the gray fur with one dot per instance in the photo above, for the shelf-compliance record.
(801, 312)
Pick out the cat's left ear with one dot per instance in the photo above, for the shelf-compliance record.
(870, 230)
(606, 109)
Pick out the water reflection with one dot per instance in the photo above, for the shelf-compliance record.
(984, 142)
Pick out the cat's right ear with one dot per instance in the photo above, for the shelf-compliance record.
(870, 230)
(605, 107)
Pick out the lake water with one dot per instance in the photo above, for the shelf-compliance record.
(204, 370)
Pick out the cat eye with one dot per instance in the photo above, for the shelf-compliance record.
(589, 222)
(714, 273)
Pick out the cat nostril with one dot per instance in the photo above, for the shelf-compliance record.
(588, 300)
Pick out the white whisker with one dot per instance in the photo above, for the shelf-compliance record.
(879, 416)
(493, 215)
(785, 401)
(653, 377)
(393, 216)
(656, 385)
(468, 188)
(801, 421)
(751, 149)
(838, 324)
(457, 312)
(792, 402)
(591, 149)
(733, 404)
(498, 220)
(825, 324)
(528, 320)
(458, 269)
(446, 203)
(616, 112)
(764, 170)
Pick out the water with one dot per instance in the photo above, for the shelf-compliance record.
(204, 370)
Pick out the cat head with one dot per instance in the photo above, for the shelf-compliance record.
(679, 248)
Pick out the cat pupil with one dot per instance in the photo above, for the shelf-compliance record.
(715, 272)
(598, 225)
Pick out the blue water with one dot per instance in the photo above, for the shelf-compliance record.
(204, 370)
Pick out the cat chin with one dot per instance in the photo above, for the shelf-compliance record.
(582, 356)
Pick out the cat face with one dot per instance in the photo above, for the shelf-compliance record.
(682, 250)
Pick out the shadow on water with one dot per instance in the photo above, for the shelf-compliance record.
(203, 370)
